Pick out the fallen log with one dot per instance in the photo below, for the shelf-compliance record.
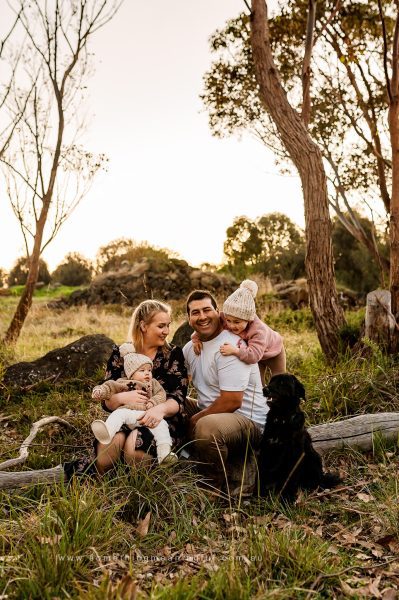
(16, 479)
(356, 432)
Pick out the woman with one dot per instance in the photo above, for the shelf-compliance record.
(149, 328)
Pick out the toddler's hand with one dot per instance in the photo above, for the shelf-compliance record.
(149, 404)
(197, 346)
(228, 350)
(97, 393)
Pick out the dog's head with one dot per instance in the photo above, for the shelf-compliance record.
(284, 391)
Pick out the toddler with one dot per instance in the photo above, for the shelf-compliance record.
(138, 370)
(259, 343)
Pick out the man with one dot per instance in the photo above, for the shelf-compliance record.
(231, 410)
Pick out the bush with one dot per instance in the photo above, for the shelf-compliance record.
(74, 270)
(19, 273)
(3, 277)
(121, 252)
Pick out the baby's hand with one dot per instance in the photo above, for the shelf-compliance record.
(97, 393)
(228, 350)
(197, 346)
(149, 404)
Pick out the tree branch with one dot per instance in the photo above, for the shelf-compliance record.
(24, 449)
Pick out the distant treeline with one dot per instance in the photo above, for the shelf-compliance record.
(271, 245)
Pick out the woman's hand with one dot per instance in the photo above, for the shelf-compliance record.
(153, 416)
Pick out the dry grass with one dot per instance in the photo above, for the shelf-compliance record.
(46, 329)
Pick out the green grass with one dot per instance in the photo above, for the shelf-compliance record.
(47, 292)
(81, 540)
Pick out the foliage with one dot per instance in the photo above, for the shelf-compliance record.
(19, 272)
(3, 277)
(125, 252)
(347, 89)
(272, 244)
(74, 270)
(353, 267)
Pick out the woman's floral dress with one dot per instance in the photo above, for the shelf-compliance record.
(170, 371)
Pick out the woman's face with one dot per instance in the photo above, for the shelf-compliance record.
(156, 331)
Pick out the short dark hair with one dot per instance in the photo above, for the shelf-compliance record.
(199, 295)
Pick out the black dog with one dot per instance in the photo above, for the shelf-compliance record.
(287, 459)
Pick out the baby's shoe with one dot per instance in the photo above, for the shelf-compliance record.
(101, 433)
(165, 455)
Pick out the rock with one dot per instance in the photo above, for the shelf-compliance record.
(182, 334)
(295, 293)
(171, 279)
(83, 356)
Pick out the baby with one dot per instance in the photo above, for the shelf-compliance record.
(138, 370)
(259, 343)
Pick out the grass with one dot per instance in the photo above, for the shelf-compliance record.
(159, 534)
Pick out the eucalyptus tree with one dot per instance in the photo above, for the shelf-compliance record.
(347, 112)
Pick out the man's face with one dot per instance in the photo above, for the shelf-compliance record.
(204, 319)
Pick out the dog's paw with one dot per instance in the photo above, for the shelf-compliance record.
(329, 480)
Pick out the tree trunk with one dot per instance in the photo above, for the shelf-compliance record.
(305, 154)
(394, 217)
(393, 122)
(25, 301)
(19, 479)
(358, 432)
(380, 324)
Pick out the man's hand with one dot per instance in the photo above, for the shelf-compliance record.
(192, 423)
(228, 350)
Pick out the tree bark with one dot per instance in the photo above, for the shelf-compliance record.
(305, 154)
(358, 432)
(379, 322)
(19, 479)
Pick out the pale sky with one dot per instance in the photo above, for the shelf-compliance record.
(169, 182)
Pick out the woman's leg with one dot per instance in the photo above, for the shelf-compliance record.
(133, 456)
(108, 454)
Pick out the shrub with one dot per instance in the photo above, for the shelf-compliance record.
(74, 270)
(19, 273)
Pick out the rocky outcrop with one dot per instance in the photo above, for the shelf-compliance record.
(171, 279)
(82, 357)
(182, 334)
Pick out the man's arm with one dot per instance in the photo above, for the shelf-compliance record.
(227, 402)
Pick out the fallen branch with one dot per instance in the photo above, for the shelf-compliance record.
(24, 449)
(356, 432)
(18, 479)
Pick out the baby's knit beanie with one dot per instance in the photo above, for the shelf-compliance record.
(132, 360)
(241, 303)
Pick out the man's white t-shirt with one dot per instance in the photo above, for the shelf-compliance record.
(212, 372)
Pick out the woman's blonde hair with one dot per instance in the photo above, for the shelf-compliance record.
(144, 313)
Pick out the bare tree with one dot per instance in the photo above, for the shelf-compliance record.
(47, 170)
(306, 155)
(9, 69)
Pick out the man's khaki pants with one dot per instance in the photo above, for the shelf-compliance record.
(225, 444)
